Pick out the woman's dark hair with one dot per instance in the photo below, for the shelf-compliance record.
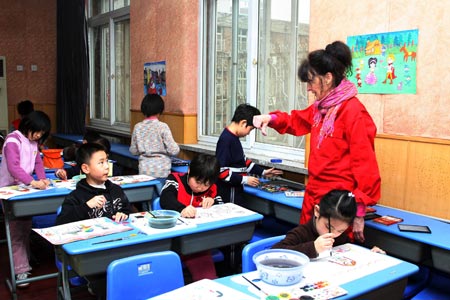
(336, 58)
(204, 168)
(245, 112)
(25, 107)
(85, 152)
(36, 121)
(338, 204)
(152, 104)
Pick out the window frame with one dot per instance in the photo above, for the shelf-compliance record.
(94, 22)
(250, 145)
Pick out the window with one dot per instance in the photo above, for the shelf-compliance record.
(109, 44)
(251, 52)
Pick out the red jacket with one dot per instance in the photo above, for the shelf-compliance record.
(345, 160)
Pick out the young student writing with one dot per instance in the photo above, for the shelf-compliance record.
(332, 217)
(235, 168)
(21, 158)
(94, 197)
(184, 193)
(152, 140)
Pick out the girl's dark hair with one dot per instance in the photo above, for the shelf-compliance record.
(152, 104)
(90, 136)
(85, 152)
(204, 168)
(336, 58)
(35, 121)
(338, 204)
(245, 112)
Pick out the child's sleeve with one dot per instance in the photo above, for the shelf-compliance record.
(133, 145)
(295, 240)
(170, 145)
(169, 195)
(11, 156)
(39, 167)
(73, 210)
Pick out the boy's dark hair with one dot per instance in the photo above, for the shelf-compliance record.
(91, 136)
(338, 204)
(152, 104)
(25, 107)
(204, 168)
(104, 142)
(85, 152)
(35, 121)
(245, 112)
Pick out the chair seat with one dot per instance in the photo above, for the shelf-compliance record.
(438, 288)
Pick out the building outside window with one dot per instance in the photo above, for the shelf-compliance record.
(109, 59)
(251, 52)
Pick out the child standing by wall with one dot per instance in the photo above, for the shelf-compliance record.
(332, 217)
(23, 108)
(235, 168)
(152, 140)
(94, 197)
(21, 158)
(185, 192)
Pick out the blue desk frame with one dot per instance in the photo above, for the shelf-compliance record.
(88, 259)
(47, 202)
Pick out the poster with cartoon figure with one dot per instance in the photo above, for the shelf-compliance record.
(385, 63)
(155, 78)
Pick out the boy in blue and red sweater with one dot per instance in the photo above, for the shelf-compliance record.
(235, 168)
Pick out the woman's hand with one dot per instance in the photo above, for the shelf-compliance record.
(261, 122)
(96, 202)
(188, 212)
(324, 242)
(120, 216)
(358, 229)
(207, 202)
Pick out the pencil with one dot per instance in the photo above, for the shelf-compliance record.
(107, 241)
(257, 287)
(329, 230)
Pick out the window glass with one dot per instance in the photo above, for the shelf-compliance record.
(252, 49)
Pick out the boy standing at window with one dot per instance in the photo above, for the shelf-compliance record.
(235, 169)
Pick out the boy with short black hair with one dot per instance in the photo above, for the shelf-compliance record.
(235, 168)
(95, 196)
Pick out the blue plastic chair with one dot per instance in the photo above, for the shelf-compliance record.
(156, 204)
(143, 276)
(249, 250)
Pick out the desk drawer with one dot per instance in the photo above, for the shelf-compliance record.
(257, 204)
(287, 213)
(397, 246)
(441, 259)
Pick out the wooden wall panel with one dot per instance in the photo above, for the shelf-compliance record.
(415, 174)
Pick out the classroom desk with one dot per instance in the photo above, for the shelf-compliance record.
(415, 247)
(387, 283)
(88, 259)
(47, 202)
(273, 204)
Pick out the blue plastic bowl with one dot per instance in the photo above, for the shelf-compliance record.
(163, 218)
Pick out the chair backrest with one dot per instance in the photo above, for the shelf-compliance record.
(156, 204)
(250, 249)
(143, 276)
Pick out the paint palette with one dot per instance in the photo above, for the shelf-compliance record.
(322, 290)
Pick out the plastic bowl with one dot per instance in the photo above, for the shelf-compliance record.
(280, 266)
(163, 218)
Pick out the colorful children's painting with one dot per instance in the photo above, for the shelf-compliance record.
(155, 78)
(81, 230)
(17, 190)
(385, 63)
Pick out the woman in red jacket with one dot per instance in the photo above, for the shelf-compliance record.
(342, 152)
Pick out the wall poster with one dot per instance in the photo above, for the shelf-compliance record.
(385, 63)
(155, 78)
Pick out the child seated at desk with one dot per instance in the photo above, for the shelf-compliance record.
(332, 217)
(94, 197)
(185, 192)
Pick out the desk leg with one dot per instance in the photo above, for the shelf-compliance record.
(65, 278)
(11, 283)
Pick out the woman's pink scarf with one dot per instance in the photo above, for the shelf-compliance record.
(330, 105)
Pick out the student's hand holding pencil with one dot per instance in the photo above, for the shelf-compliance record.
(324, 242)
(96, 201)
(189, 212)
(207, 202)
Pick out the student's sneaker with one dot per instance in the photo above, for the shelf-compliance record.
(23, 276)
